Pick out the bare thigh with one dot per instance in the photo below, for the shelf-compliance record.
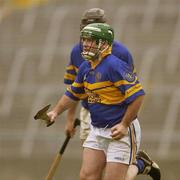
(115, 171)
(93, 164)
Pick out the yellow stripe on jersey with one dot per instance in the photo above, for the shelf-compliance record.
(79, 96)
(107, 92)
(71, 67)
(69, 76)
(110, 95)
(124, 82)
(77, 85)
(97, 85)
(133, 90)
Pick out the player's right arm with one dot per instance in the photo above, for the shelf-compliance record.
(69, 77)
(73, 94)
(71, 72)
(63, 104)
(69, 127)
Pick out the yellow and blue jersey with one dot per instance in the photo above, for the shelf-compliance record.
(118, 50)
(109, 87)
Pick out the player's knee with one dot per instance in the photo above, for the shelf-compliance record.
(84, 175)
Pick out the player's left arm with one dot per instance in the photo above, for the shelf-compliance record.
(133, 92)
(132, 111)
(121, 129)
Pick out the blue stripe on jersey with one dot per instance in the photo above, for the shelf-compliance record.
(110, 87)
(67, 81)
(69, 94)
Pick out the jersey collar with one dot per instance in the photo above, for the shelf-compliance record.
(101, 57)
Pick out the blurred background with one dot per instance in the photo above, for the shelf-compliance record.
(36, 37)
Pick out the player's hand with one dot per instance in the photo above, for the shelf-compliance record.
(118, 131)
(69, 128)
(52, 115)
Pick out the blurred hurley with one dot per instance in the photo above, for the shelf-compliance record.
(42, 115)
(57, 159)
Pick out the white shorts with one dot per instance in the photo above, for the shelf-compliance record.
(85, 123)
(121, 151)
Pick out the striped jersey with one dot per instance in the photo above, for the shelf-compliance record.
(118, 49)
(109, 86)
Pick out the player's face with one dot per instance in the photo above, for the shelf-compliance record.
(90, 49)
(89, 45)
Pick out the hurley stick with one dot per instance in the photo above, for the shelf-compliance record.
(57, 159)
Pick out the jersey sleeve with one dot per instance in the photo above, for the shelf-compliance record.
(126, 81)
(123, 53)
(71, 70)
(76, 90)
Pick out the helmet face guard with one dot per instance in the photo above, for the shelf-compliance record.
(99, 36)
(92, 49)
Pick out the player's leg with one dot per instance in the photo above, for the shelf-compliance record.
(120, 154)
(147, 166)
(144, 164)
(132, 172)
(133, 168)
(94, 158)
(115, 171)
(85, 124)
(92, 165)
